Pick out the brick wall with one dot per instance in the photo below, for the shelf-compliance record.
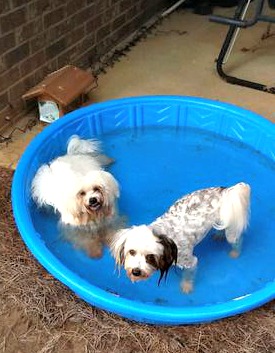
(40, 36)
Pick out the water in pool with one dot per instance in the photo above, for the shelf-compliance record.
(155, 167)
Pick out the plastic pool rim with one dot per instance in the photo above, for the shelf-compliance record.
(138, 311)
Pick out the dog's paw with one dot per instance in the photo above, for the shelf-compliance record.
(95, 251)
(186, 286)
(234, 254)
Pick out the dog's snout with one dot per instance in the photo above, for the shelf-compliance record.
(136, 272)
(93, 201)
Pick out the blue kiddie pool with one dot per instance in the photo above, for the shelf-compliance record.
(164, 147)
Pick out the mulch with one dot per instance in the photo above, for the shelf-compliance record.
(39, 314)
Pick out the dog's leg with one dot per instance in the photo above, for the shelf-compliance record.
(235, 240)
(95, 247)
(236, 250)
(188, 262)
(218, 235)
(187, 282)
(82, 239)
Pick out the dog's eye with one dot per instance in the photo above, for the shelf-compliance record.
(82, 193)
(132, 252)
(96, 189)
(150, 258)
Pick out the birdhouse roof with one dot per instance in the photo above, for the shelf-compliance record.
(63, 85)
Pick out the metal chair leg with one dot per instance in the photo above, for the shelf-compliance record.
(230, 39)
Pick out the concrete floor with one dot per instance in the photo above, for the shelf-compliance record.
(178, 57)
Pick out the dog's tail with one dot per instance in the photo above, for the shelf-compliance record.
(76, 145)
(235, 209)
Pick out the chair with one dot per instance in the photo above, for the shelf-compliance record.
(235, 24)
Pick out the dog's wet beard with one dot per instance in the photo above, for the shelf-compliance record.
(94, 215)
(83, 238)
(91, 239)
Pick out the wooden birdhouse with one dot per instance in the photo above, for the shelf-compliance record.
(61, 91)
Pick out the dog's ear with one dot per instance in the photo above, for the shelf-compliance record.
(118, 252)
(168, 257)
(117, 245)
(110, 185)
(121, 256)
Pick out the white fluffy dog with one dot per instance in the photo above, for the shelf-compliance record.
(172, 237)
(77, 187)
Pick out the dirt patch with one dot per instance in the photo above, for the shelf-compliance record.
(40, 315)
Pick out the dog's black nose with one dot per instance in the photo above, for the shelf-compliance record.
(93, 201)
(136, 272)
